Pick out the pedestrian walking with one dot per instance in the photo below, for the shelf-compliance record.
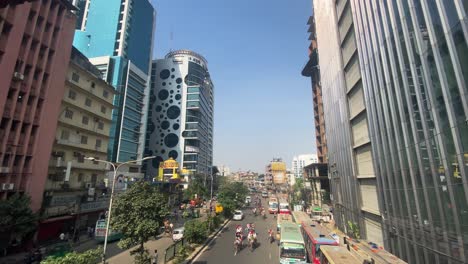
(62, 236)
(171, 225)
(155, 257)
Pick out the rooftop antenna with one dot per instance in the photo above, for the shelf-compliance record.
(171, 40)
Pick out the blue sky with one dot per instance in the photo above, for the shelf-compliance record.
(256, 50)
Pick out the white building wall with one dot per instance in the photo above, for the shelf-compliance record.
(300, 161)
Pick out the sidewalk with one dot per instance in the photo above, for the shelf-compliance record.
(84, 242)
(161, 243)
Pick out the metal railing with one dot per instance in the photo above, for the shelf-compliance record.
(171, 251)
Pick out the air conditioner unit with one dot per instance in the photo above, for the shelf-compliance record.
(8, 186)
(59, 162)
(17, 76)
(4, 169)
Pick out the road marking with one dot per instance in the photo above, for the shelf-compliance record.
(270, 255)
(212, 240)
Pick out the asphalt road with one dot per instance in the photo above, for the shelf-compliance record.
(221, 249)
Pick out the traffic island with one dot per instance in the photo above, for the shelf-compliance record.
(197, 248)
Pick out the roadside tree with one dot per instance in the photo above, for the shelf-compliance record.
(196, 186)
(88, 257)
(138, 214)
(17, 219)
(231, 196)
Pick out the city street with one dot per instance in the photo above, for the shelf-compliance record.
(221, 249)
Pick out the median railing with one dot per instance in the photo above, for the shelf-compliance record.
(172, 250)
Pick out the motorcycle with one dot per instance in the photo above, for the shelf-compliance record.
(237, 246)
(252, 243)
(271, 237)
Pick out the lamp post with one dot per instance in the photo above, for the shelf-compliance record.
(115, 166)
(211, 191)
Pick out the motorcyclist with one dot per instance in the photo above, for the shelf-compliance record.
(239, 231)
(252, 236)
(255, 210)
(270, 235)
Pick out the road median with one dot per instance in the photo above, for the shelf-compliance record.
(199, 249)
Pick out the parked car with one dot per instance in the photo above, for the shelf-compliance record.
(178, 234)
(238, 215)
(248, 199)
(264, 194)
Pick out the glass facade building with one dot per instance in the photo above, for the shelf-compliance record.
(117, 36)
(413, 67)
(180, 124)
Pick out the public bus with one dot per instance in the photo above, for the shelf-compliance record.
(291, 246)
(284, 207)
(100, 232)
(315, 236)
(273, 205)
(336, 255)
(283, 218)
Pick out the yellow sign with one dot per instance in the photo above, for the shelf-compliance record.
(278, 166)
(219, 208)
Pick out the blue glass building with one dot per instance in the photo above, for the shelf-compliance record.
(117, 36)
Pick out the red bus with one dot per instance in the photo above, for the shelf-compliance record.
(315, 236)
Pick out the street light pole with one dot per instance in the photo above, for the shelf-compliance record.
(211, 175)
(115, 168)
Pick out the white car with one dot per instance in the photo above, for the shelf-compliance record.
(178, 234)
(248, 199)
(238, 215)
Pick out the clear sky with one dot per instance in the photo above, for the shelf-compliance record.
(256, 50)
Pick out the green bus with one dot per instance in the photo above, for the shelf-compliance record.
(292, 247)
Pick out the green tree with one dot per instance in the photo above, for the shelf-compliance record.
(138, 214)
(354, 230)
(17, 219)
(298, 193)
(196, 186)
(195, 231)
(88, 257)
(231, 196)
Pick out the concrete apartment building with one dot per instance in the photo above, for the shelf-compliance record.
(275, 172)
(299, 162)
(312, 70)
(35, 46)
(75, 188)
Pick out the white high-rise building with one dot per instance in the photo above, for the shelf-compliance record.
(299, 162)
(180, 123)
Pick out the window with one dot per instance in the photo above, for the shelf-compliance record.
(101, 125)
(72, 94)
(94, 178)
(84, 140)
(85, 120)
(105, 94)
(98, 143)
(93, 84)
(80, 177)
(88, 102)
(75, 77)
(103, 109)
(69, 114)
(65, 135)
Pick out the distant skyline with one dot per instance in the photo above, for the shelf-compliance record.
(255, 51)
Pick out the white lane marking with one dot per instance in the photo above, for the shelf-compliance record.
(270, 255)
(212, 240)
